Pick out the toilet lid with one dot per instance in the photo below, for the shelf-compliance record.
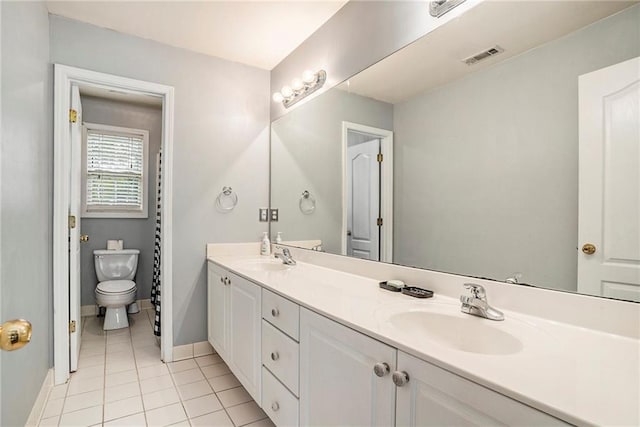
(116, 286)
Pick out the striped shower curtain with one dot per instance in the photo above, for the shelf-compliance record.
(155, 287)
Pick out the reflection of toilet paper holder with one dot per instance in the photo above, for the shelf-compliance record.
(115, 245)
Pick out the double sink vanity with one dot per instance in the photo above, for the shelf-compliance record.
(319, 343)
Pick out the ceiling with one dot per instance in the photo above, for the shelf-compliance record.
(257, 33)
(516, 26)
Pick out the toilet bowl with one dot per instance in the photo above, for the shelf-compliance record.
(116, 289)
(115, 296)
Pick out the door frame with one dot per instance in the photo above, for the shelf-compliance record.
(64, 77)
(386, 187)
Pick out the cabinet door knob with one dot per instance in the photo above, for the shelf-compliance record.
(221, 279)
(400, 378)
(275, 356)
(275, 406)
(381, 369)
(275, 312)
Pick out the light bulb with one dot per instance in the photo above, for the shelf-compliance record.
(286, 91)
(277, 97)
(309, 76)
(297, 84)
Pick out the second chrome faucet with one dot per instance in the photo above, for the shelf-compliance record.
(476, 303)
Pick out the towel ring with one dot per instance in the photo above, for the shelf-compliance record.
(226, 200)
(307, 203)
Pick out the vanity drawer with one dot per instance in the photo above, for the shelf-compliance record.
(280, 355)
(282, 313)
(278, 402)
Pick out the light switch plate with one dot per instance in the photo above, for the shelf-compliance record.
(263, 215)
(274, 215)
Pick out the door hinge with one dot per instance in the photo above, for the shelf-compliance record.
(72, 221)
(379, 222)
(380, 157)
(73, 116)
(72, 326)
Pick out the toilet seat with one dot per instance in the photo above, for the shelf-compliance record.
(115, 287)
(115, 296)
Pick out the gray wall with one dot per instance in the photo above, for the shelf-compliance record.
(26, 202)
(221, 138)
(357, 36)
(137, 233)
(486, 172)
(306, 154)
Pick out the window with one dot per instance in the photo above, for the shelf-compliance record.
(114, 183)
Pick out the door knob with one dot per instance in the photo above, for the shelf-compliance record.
(589, 248)
(381, 369)
(84, 238)
(348, 232)
(14, 334)
(400, 378)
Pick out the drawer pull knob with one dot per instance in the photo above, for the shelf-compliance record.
(221, 279)
(275, 406)
(400, 378)
(275, 356)
(381, 369)
(275, 312)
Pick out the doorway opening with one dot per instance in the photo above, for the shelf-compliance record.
(136, 197)
(367, 192)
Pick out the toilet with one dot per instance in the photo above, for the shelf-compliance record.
(116, 289)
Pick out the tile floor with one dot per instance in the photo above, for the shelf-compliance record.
(121, 381)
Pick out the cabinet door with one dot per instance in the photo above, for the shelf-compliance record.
(338, 385)
(245, 333)
(217, 303)
(435, 397)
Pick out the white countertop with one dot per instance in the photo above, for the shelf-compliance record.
(579, 375)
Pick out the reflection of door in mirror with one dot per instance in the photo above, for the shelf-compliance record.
(367, 191)
(363, 197)
(609, 185)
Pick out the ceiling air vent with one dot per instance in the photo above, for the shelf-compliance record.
(483, 55)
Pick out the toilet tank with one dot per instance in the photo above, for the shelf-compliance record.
(116, 265)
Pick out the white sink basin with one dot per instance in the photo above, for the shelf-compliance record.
(265, 265)
(459, 332)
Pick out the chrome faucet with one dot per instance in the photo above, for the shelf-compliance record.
(285, 256)
(476, 304)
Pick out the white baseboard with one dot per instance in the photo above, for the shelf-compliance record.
(92, 310)
(41, 400)
(189, 351)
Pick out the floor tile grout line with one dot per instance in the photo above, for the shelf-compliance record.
(216, 395)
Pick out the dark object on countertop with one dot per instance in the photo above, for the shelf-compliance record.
(416, 292)
(388, 287)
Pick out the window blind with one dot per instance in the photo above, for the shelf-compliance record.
(115, 165)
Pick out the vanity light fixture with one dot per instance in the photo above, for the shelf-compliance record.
(437, 8)
(309, 83)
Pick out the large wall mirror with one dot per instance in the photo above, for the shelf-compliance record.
(505, 144)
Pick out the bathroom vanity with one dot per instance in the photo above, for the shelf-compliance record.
(319, 343)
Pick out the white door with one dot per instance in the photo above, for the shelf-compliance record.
(74, 232)
(217, 303)
(435, 397)
(609, 183)
(245, 336)
(338, 385)
(363, 200)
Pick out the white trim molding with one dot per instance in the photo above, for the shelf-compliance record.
(38, 406)
(386, 186)
(64, 77)
(189, 351)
